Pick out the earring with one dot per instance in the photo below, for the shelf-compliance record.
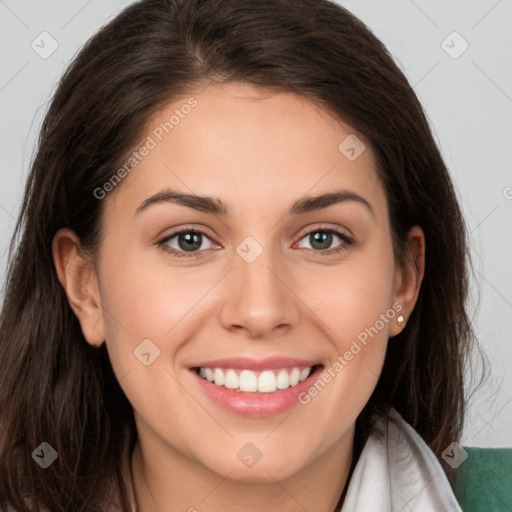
(400, 320)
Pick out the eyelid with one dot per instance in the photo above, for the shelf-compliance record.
(342, 230)
(324, 227)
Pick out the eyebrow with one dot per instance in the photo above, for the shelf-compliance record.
(216, 206)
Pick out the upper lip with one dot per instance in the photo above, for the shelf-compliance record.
(244, 363)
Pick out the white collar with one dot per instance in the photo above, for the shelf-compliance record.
(398, 472)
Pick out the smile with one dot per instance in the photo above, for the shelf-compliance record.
(266, 381)
(255, 388)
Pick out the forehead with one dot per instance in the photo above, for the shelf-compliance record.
(244, 143)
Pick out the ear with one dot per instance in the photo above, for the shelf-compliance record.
(409, 277)
(78, 277)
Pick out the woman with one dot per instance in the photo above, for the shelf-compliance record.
(241, 274)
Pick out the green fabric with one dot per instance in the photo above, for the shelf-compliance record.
(483, 482)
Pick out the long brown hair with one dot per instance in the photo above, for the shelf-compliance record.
(54, 387)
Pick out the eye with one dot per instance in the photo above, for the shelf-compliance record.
(185, 243)
(321, 240)
(189, 243)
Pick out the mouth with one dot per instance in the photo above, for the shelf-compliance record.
(249, 381)
(256, 389)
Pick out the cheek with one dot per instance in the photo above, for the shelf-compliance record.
(358, 293)
(148, 314)
(142, 300)
(357, 310)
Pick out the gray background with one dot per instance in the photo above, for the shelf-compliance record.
(468, 99)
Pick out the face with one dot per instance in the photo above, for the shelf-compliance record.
(285, 300)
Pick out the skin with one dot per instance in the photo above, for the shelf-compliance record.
(258, 152)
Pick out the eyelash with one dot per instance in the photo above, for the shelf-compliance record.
(347, 241)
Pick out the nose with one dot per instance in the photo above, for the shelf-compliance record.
(259, 297)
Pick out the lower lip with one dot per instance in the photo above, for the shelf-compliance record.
(256, 404)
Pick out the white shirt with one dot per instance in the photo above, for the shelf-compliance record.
(398, 472)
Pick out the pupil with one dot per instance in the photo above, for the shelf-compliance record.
(323, 238)
(190, 241)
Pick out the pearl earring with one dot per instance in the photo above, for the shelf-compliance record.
(400, 320)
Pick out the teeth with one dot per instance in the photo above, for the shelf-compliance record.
(248, 381)
(218, 377)
(266, 381)
(294, 377)
(231, 381)
(304, 374)
(283, 380)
